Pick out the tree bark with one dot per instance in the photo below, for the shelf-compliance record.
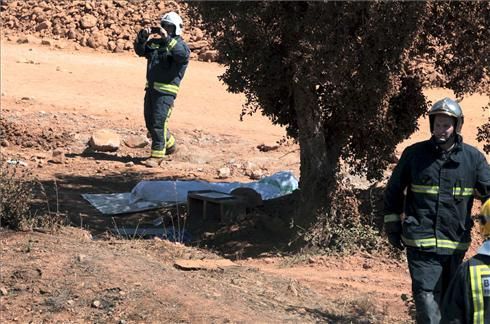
(319, 158)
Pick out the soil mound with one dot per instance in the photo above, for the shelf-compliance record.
(45, 138)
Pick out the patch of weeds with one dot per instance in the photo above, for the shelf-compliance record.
(57, 303)
(346, 311)
(410, 304)
(18, 207)
(170, 225)
(15, 196)
(365, 308)
(305, 255)
(347, 226)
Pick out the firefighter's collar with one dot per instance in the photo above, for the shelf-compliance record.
(453, 152)
(485, 248)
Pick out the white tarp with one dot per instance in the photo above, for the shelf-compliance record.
(148, 195)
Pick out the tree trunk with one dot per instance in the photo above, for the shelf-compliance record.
(319, 157)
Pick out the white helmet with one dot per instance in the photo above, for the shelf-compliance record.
(172, 18)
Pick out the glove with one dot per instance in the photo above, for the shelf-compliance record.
(143, 35)
(395, 239)
(163, 32)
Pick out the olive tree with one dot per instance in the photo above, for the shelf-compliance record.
(339, 76)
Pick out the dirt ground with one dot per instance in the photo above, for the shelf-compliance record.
(54, 99)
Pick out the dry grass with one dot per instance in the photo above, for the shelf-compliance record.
(20, 194)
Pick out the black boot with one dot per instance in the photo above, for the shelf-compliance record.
(427, 308)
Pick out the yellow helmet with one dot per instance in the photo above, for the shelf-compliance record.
(485, 220)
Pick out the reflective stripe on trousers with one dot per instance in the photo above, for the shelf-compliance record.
(168, 138)
(157, 110)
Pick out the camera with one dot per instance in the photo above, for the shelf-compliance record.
(155, 30)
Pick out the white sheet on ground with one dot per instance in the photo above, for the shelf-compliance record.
(148, 195)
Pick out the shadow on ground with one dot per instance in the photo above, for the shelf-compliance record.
(261, 231)
(101, 156)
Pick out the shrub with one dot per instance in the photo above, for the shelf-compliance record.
(18, 208)
(345, 227)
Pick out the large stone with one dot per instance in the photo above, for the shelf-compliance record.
(208, 56)
(120, 45)
(224, 172)
(71, 34)
(256, 174)
(22, 40)
(47, 42)
(97, 40)
(111, 46)
(198, 34)
(198, 44)
(58, 156)
(43, 25)
(136, 141)
(105, 140)
(88, 21)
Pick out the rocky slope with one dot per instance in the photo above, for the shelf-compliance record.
(105, 25)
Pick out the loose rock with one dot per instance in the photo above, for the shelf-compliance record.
(88, 21)
(58, 157)
(136, 141)
(105, 140)
(224, 173)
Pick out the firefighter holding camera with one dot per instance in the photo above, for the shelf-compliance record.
(167, 59)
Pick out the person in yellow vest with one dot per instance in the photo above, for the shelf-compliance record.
(167, 59)
(467, 299)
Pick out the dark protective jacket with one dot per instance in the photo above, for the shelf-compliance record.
(167, 61)
(435, 192)
(467, 299)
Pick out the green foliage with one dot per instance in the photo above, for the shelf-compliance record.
(484, 136)
(345, 227)
(352, 58)
(456, 34)
(339, 76)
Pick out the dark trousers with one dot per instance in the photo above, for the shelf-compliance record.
(431, 274)
(157, 110)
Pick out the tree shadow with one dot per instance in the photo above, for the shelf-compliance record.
(104, 156)
(323, 316)
(64, 196)
(262, 230)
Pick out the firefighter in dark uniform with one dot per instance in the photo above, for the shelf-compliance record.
(167, 59)
(428, 202)
(467, 299)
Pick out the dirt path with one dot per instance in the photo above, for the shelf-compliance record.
(54, 99)
(68, 277)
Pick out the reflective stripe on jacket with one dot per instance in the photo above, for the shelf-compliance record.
(435, 192)
(167, 62)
